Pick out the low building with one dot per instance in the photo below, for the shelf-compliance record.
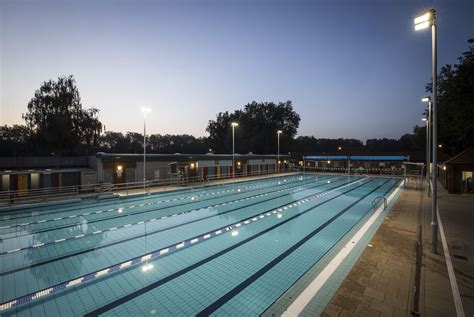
(33, 173)
(364, 163)
(456, 174)
(23, 174)
(128, 168)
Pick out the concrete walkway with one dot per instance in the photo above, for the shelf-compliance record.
(382, 283)
(457, 214)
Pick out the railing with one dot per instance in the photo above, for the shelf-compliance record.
(362, 171)
(376, 200)
(8, 198)
(51, 193)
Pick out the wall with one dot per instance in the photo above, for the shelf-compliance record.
(151, 167)
(39, 162)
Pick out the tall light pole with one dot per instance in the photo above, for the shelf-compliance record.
(428, 144)
(424, 21)
(145, 111)
(233, 124)
(427, 154)
(278, 153)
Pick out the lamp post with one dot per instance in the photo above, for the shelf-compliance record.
(424, 21)
(427, 154)
(278, 153)
(145, 110)
(233, 124)
(428, 144)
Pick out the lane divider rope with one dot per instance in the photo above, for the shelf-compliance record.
(267, 184)
(303, 299)
(8, 218)
(141, 222)
(158, 253)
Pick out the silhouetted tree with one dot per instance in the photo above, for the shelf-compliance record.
(57, 121)
(257, 131)
(14, 140)
(305, 145)
(456, 103)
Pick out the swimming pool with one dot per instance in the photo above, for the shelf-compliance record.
(230, 249)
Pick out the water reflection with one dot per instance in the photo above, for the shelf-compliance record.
(37, 255)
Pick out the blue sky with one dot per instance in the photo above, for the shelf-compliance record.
(352, 68)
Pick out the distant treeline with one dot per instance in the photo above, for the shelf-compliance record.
(57, 124)
(15, 143)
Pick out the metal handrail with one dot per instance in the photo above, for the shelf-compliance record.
(360, 171)
(376, 201)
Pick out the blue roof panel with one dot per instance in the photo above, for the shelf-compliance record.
(379, 158)
(357, 158)
(325, 158)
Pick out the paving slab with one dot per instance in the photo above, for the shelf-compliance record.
(382, 282)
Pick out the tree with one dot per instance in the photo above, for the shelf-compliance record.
(257, 131)
(456, 103)
(14, 140)
(57, 120)
(307, 145)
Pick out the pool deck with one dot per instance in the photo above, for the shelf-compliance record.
(382, 281)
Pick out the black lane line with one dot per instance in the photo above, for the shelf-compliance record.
(115, 216)
(128, 204)
(132, 199)
(386, 192)
(239, 288)
(153, 232)
(309, 185)
(152, 209)
(168, 278)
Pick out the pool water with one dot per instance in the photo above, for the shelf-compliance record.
(230, 249)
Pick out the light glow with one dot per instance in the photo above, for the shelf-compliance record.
(145, 111)
(422, 26)
(279, 215)
(425, 99)
(423, 119)
(423, 18)
(279, 132)
(235, 233)
(234, 124)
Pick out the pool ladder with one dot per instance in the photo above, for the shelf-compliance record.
(376, 201)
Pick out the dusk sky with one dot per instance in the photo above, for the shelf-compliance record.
(353, 69)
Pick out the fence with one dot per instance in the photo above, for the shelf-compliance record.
(8, 198)
(364, 171)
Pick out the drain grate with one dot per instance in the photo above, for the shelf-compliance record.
(460, 257)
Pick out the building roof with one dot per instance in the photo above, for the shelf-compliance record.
(45, 171)
(357, 157)
(180, 156)
(466, 157)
